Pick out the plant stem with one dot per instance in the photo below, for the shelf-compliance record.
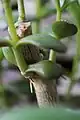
(76, 58)
(36, 24)
(76, 63)
(35, 27)
(45, 90)
(8, 14)
(65, 4)
(21, 10)
(18, 55)
(3, 102)
(52, 54)
(74, 9)
(58, 17)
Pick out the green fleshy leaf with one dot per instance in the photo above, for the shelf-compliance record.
(62, 29)
(45, 69)
(74, 9)
(44, 41)
(9, 55)
(55, 113)
(1, 54)
(4, 42)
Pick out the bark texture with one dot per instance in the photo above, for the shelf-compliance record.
(46, 92)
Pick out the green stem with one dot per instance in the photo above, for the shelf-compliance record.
(65, 4)
(38, 7)
(58, 17)
(4, 103)
(2, 96)
(35, 27)
(76, 58)
(36, 24)
(8, 14)
(52, 54)
(74, 9)
(75, 65)
(18, 55)
(21, 10)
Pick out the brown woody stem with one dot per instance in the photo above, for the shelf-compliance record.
(45, 92)
(45, 89)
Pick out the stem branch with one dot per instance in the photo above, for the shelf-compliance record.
(18, 55)
(52, 54)
(8, 14)
(36, 24)
(46, 92)
(58, 10)
(21, 10)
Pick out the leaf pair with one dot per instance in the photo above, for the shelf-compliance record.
(45, 69)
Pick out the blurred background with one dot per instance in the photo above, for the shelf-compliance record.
(14, 88)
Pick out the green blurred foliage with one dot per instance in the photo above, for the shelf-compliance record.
(26, 113)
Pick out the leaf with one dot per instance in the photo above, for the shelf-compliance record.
(44, 41)
(1, 54)
(4, 42)
(9, 55)
(45, 69)
(62, 29)
(74, 9)
(27, 113)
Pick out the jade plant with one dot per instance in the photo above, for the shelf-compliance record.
(26, 46)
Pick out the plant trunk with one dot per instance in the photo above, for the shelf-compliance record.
(46, 92)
